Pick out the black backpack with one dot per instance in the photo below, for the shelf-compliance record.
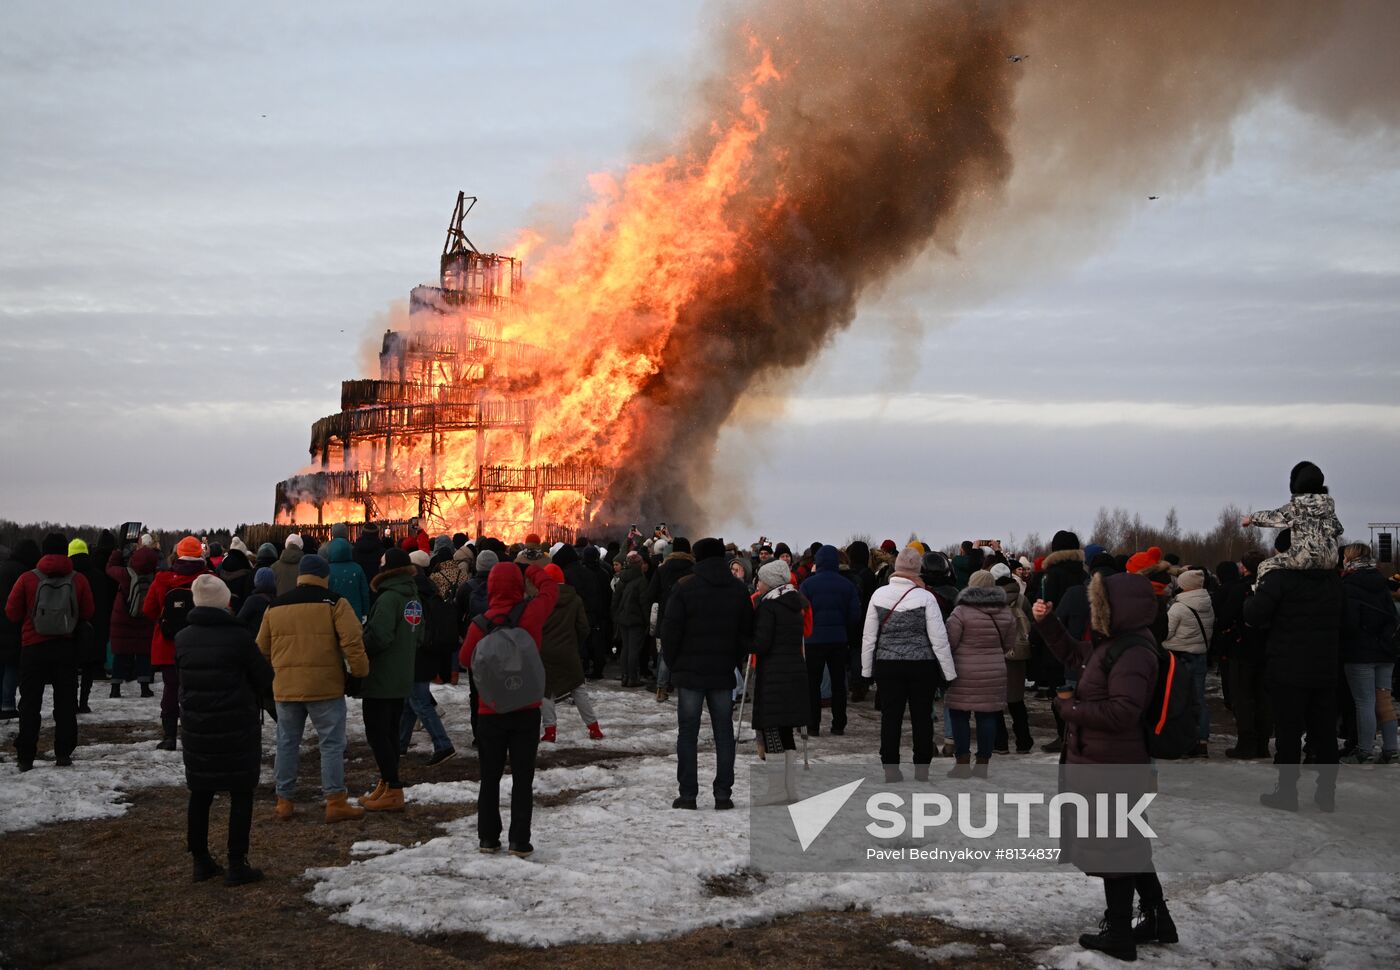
(438, 633)
(175, 615)
(1172, 719)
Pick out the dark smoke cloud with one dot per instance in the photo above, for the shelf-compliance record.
(901, 130)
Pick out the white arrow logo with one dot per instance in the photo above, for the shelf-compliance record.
(812, 815)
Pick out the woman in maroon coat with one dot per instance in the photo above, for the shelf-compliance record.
(131, 634)
(1104, 726)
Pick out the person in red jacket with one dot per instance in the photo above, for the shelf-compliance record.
(516, 733)
(48, 659)
(417, 538)
(189, 566)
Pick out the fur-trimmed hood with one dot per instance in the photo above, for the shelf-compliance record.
(984, 596)
(1121, 604)
(1064, 555)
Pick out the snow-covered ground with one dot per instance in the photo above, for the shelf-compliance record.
(615, 863)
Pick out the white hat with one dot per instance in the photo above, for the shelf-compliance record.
(1000, 570)
(210, 590)
(293, 540)
(420, 558)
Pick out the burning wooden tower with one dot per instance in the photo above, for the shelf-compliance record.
(440, 434)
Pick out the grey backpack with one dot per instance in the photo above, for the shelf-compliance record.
(55, 606)
(506, 664)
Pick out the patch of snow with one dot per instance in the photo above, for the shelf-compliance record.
(936, 954)
(94, 787)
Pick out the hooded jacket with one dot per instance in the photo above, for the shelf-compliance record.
(981, 633)
(286, 568)
(565, 630)
(709, 627)
(1063, 570)
(19, 606)
(835, 600)
(347, 578)
(222, 676)
(186, 571)
(780, 689)
(1104, 718)
(1185, 634)
(310, 635)
(391, 633)
(587, 579)
(505, 588)
(629, 609)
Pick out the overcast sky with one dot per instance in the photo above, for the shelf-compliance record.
(206, 211)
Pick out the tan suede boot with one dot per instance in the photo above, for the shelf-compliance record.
(390, 801)
(284, 810)
(371, 795)
(339, 809)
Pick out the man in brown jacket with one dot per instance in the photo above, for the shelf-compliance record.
(310, 635)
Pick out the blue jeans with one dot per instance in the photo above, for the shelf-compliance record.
(720, 701)
(328, 718)
(663, 672)
(1195, 664)
(418, 706)
(9, 683)
(1364, 680)
(962, 732)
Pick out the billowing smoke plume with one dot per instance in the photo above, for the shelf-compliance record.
(892, 133)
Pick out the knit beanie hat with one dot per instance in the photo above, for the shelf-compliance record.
(147, 540)
(340, 531)
(554, 573)
(1000, 571)
(396, 558)
(682, 544)
(486, 561)
(54, 544)
(369, 529)
(265, 580)
(459, 539)
(532, 540)
(1306, 478)
(314, 565)
(1191, 579)
(889, 546)
(708, 549)
(267, 551)
(189, 548)
(294, 540)
(982, 579)
(237, 545)
(774, 573)
(1092, 550)
(908, 561)
(210, 590)
(1064, 541)
(420, 559)
(443, 544)
(77, 548)
(463, 554)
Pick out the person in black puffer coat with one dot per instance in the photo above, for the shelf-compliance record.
(24, 558)
(1300, 613)
(780, 696)
(707, 636)
(368, 550)
(222, 677)
(592, 587)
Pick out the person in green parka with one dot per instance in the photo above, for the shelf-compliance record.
(390, 641)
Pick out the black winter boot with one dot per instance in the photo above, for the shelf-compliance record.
(1021, 727)
(205, 867)
(146, 691)
(1284, 797)
(1155, 924)
(170, 725)
(1114, 938)
(240, 873)
(116, 689)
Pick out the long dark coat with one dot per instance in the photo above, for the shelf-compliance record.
(222, 675)
(780, 689)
